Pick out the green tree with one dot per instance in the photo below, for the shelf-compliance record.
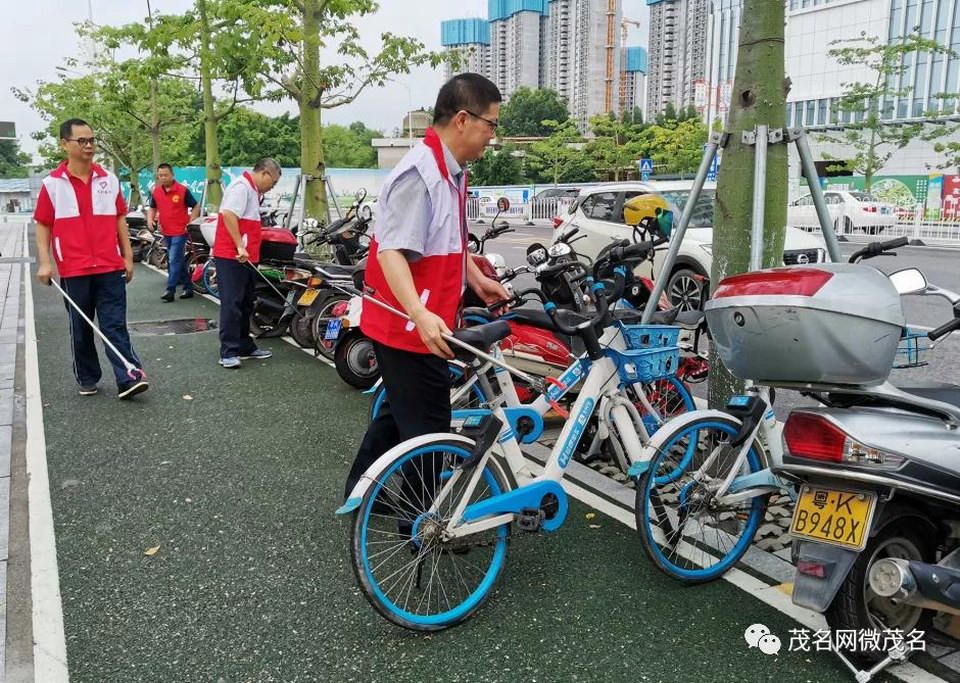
(609, 146)
(759, 97)
(633, 117)
(501, 167)
(864, 105)
(96, 99)
(349, 147)
(951, 154)
(524, 114)
(13, 162)
(678, 148)
(667, 116)
(215, 43)
(297, 29)
(557, 158)
(247, 135)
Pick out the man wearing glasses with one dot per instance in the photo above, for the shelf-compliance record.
(81, 214)
(418, 262)
(236, 250)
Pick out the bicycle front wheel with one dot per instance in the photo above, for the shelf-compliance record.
(407, 568)
(686, 530)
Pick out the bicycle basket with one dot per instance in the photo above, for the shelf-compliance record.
(645, 365)
(649, 336)
(913, 345)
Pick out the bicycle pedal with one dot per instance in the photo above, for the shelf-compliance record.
(530, 519)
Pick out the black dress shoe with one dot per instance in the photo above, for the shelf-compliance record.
(188, 294)
(169, 296)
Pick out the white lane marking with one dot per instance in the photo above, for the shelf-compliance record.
(49, 640)
(215, 300)
(769, 595)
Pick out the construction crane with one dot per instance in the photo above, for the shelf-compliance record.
(623, 62)
(611, 48)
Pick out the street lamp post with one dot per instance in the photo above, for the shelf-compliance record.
(409, 110)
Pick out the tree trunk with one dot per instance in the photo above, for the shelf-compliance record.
(154, 124)
(134, 177)
(311, 134)
(214, 172)
(760, 92)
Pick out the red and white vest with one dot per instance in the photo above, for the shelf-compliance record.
(440, 274)
(172, 207)
(243, 198)
(84, 245)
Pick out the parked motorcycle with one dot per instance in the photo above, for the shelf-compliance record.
(877, 520)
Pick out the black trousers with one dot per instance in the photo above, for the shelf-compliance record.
(418, 403)
(235, 282)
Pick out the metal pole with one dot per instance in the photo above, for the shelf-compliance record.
(293, 202)
(676, 236)
(799, 135)
(759, 195)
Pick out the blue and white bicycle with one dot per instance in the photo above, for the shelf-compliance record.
(434, 515)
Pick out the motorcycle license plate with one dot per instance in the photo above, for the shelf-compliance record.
(308, 297)
(333, 330)
(836, 517)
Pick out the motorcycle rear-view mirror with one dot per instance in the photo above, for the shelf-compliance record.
(366, 213)
(908, 281)
(360, 196)
(503, 204)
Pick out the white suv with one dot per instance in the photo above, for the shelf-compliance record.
(598, 213)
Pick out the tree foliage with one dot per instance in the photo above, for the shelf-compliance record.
(556, 159)
(864, 105)
(527, 109)
(501, 167)
(13, 162)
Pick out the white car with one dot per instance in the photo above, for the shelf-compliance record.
(598, 213)
(850, 211)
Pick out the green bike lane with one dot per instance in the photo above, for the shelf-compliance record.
(235, 476)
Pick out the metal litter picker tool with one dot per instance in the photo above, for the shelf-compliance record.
(133, 372)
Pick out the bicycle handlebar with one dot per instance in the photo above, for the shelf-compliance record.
(602, 305)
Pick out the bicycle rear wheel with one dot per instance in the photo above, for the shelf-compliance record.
(406, 569)
(684, 529)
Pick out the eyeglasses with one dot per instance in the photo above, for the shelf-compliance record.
(83, 142)
(493, 124)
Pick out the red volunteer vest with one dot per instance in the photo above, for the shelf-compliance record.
(439, 274)
(249, 222)
(172, 207)
(84, 244)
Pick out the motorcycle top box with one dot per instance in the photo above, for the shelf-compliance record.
(277, 244)
(833, 323)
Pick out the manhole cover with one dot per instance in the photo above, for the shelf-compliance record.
(159, 328)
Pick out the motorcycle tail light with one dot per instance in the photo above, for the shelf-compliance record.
(812, 569)
(315, 282)
(813, 436)
(295, 274)
(340, 308)
(557, 221)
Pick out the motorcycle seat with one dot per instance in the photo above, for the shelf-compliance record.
(935, 391)
(481, 337)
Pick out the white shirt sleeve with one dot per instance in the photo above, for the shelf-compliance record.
(235, 200)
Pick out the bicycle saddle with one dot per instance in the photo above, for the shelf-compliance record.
(481, 337)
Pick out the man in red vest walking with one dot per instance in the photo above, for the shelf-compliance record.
(81, 215)
(418, 263)
(176, 207)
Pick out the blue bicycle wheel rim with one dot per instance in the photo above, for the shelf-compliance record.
(477, 595)
(750, 529)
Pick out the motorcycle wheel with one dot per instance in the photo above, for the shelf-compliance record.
(263, 322)
(318, 325)
(856, 607)
(355, 361)
(301, 329)
(158, 258)
(210, 278)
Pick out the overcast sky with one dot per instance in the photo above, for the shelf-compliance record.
(39, 34)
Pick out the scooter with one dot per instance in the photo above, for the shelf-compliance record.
(877, 521)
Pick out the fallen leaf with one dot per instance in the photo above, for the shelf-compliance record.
(151, 551)
(187, 397)
(591, 515)
(594, 526)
